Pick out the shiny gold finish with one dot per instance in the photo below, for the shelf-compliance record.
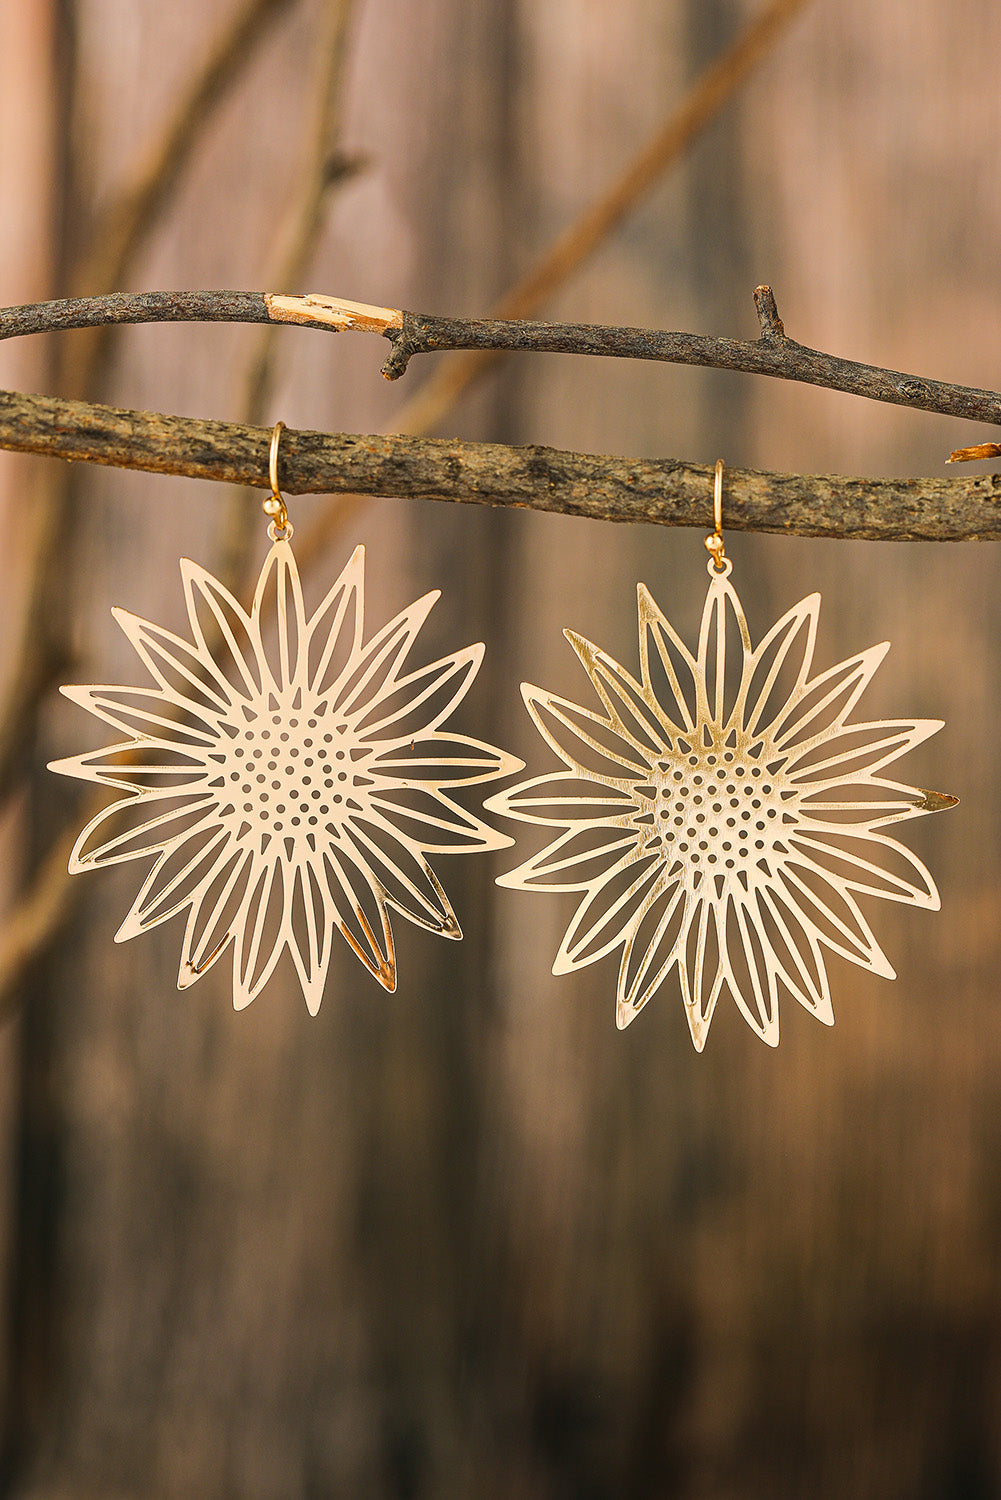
(290, 782)
(280, 529)
(722, 814)
(714, 543)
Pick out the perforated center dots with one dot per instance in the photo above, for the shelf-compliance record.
(296, 774)
(720, 810)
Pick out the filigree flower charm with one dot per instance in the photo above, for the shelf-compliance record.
(722, 815)
(289, 778)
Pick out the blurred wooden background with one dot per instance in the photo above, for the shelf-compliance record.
(468, 1239)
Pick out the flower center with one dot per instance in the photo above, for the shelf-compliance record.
(294, 774)
(720, 810)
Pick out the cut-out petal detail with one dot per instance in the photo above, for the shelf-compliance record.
(586, 742)
(222, 630)
(787, 648)
(360, 903)
(669, 653)
(148, 713)
(418, 703)
(823, 704)
(569, 799)
(258, 946)
(721, 817)
(607, 912)
(900, 877)
(278, 621)
(175, 880)
(858, 750)
(435, 822)
(335, 631)
(288, 779)
(722, 616)
(407, 880)
(701, 979)
(142, 833)
(443, 760)
(310, 920)
(630, 715)
(574, 861)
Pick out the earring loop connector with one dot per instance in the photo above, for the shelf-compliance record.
(280, 529)
(714, 543)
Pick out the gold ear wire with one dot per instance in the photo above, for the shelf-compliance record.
(280, 529)
(714, 543)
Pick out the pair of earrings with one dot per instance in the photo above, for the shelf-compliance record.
(719, 815)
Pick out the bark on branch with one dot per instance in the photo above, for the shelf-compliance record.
(410, 333)
(666, 492)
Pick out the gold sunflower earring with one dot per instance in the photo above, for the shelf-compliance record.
(723, 813)
(287, 777)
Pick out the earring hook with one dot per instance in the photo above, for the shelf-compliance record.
(280, 528)
(719, 563)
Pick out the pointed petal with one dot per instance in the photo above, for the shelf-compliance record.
(377, 665)
(409, 883)
(185, 674)
(441, 759)
(260, 931)
(434, 821)
(755, 984)
(584, 741)
(148, 713)
(608, 912)
(310, 921)
(862, 803)
(143, 834)
(362, 917)
(786, 649)
(562, 799)
(824, 704)
(279, 620)
(146, 765)
(335, 631)
(573, 862)
(669, 654)
(175, 880)
(857, 750)
(418, 703)
(211, 924)
(633, 713)
(722, 613)
(848, 856)
(803, 973)
(699, 991)
(221, 629)
(827, 909)
(652, 949)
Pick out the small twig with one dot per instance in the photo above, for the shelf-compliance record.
(666, 492)
(412, 333)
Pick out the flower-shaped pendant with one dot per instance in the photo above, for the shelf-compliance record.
(723, 814)
(288, 778)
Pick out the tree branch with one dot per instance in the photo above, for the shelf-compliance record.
(410, 333)
(666, 492)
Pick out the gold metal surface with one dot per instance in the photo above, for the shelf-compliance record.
(289, 783)
(722, 814)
